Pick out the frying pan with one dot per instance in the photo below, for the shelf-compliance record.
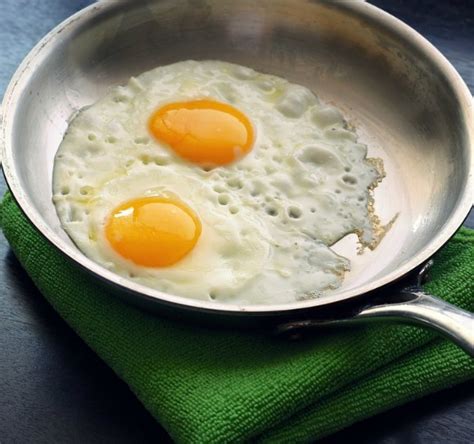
(408, 103)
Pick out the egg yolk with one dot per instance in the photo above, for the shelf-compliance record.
(204, 132)
(153, 231)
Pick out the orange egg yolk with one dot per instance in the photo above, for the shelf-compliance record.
(204, 132)
(153, 231)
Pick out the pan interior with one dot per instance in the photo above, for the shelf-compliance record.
(407, 104)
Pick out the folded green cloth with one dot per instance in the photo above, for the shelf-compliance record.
(205, 385)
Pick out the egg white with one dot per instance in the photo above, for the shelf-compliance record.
(268, 219)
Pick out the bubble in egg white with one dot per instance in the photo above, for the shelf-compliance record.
(268, 220)
(295, 101)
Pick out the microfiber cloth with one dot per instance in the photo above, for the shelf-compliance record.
(205, 385)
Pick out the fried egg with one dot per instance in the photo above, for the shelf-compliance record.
(210, 180)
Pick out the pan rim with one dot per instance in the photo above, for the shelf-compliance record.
(138, 291)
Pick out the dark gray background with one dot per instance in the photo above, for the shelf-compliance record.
(53, 389)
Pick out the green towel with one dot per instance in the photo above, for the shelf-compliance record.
(205, 385)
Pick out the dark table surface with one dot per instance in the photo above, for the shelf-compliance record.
(54, 389)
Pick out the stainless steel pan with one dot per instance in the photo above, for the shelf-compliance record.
(411, 106)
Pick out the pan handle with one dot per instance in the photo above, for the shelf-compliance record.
(424, 309)
(411, 305)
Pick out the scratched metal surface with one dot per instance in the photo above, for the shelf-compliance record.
(54, 389)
